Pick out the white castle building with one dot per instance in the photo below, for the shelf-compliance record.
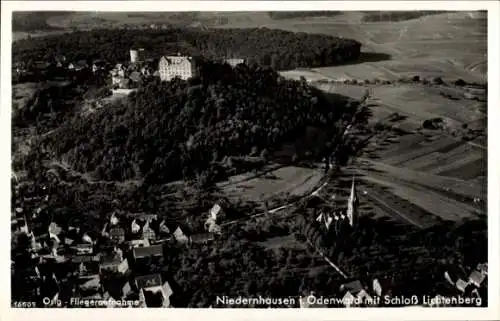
(176, 66)
(137, 55)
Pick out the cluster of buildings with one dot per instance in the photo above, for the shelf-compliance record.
(354, 294)
(124, 75)
(471, 285)
(455, 292)
(63, 261)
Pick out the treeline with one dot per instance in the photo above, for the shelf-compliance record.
(276, 48)
(378, 16)
(277, 15)
(168, 131)
(32, 21)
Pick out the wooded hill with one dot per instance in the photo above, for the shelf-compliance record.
(269, 47)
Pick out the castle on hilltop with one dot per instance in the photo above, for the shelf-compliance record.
(170, 67)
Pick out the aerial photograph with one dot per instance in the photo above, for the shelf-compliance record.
(249, 159)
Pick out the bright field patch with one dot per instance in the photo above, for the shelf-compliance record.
(288, 241)
(423, 102)
(290, 180)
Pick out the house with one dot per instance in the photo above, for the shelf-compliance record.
(475, 294)
(68, 241)
(461, 285)
(87, 266)
(147, 232)
(349, 299)
(117, 234)
(137, 55)
(233, 62)
(180, 236)
(19, 67)
(153, 292)
(114, 264)
(377, 287)
(215, 211)
(77, 259)
(139, 243)
(147, 251)
(355, 294)
(163, 228)
(135, 227)
(116, 80)
(160, 241)
(483, 268)
(120, 70)
(147, 71)
(80, 65)
(476, 278)
(171, 67)
(98, 65)
(54, 229)
(124, 83)
(147, 281)
(210, 224)
(35, 244)
(126, 290)
(135, 77)
(41, 65)
(83, 249)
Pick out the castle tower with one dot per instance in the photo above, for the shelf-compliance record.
(134, 55)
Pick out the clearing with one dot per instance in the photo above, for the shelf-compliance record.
(289, 180)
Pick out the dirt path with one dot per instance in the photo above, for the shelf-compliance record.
(327, 260)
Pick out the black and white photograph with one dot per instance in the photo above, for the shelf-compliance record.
(249, 159)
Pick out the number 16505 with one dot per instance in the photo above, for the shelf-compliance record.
(24, 304)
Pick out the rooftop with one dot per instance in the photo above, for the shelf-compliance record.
(82, 258)
(146, 251)
(354, 287)
(147, 281)
(117, 231)
(477, 278)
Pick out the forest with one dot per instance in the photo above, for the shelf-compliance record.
(268, 47)
(32, 21)
(175, 130)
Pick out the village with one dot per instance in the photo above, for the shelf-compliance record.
(71, 267)
(127, 241)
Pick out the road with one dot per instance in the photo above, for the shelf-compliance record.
(277, 209)
(274, 210)
(327, 260)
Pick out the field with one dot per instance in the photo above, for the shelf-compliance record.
(425, 176)
(288, 180)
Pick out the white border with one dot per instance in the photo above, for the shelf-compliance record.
(492, 313)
